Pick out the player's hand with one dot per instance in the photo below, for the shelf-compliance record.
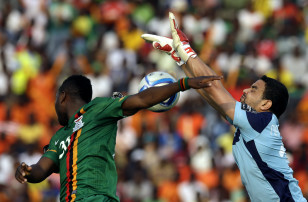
(164, 44)
(202, 81)
(22, 172)
(180, 41)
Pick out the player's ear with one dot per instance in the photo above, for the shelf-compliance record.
(62, 97)
(266, 105)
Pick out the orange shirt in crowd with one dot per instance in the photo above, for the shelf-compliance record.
(20, 113)
(209, 178)
(190, 125)
(42, 91)
(3, 109)
(231, 180)
(168, 191)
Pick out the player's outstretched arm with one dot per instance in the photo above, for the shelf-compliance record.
(155, 95)
(35, 173)
(217, 96)
(179, 49)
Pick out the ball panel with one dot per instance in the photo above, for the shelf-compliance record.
(143, 88)
(159, 79)
(163, 80)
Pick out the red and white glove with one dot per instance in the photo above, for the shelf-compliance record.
(180, 41)
(164, 44)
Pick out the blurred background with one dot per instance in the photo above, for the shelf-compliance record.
(180, 155)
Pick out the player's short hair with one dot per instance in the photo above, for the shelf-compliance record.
(277, 93)
(77, 86)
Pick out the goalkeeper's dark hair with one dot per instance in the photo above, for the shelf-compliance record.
(277, 93)
(77, 86)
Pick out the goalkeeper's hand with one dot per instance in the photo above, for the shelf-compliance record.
(180, 41)
(164, 44)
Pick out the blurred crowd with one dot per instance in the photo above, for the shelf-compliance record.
(184, 154)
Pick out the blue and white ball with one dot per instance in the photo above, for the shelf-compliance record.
(159, 79)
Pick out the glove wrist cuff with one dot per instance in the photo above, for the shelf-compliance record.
(189, 51)
(185, 52)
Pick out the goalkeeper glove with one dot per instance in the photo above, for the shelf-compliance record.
(164, 44)
(180, 41)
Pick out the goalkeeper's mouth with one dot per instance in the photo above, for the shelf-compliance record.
(242, 99)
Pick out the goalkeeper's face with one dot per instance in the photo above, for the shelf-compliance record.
(61, 109)
(253, 96)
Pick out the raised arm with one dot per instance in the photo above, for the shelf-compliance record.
(36, 172)
(155, 95)
(179, 49)
(217, 96)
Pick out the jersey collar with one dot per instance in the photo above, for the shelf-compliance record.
(77, 114)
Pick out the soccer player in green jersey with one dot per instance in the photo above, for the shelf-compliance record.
(83, 150)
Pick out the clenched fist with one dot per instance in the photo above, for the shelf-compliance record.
(22, 172)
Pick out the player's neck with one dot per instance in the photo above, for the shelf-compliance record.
(74, 106)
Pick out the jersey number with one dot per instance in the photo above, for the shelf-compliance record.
(64, 146)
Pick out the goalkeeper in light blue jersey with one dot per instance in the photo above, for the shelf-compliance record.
(260, 155)
(257, 146)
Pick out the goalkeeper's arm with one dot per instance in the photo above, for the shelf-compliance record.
(217, 96)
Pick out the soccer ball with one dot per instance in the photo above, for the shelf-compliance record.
(159, 79)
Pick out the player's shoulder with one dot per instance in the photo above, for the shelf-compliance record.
(58, 133)
(260, 120)
(116, 96)
(257, 120)
(99, 100)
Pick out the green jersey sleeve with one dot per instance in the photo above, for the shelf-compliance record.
(52, 151)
